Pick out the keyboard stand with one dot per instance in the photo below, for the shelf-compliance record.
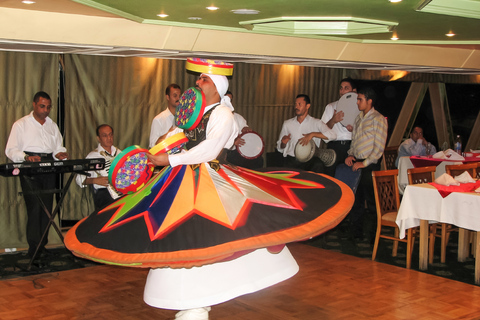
(53, 214)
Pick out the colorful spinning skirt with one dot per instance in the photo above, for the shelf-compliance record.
(190, 216)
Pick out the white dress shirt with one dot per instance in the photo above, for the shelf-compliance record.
(221, 133)
(97, 153)
(160, 125)
(297, 130)
(28, 134)
(339, 129)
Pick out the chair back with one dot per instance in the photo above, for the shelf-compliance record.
(385, 186)
(458, 169)
(421, 175)
(390, 155)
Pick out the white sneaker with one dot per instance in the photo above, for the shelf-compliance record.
(193, 314)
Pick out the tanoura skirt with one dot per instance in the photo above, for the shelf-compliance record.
(192, 216)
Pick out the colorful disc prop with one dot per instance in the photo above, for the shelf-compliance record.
(209, 66)
(190, 110)
(130, 169)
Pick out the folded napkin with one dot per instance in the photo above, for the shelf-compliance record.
(439, 155)
(464, 187)
(446, 180)
(464, 178)
(455, 156)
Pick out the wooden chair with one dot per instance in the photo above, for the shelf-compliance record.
(457, 169)
(387, 199)
(390, 155)
(426, 175)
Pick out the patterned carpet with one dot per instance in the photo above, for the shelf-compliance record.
(14, 265)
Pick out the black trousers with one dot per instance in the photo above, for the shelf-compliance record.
(101, 198)
(315, 164)
(360, 216)
(37, 219)
(235, 158)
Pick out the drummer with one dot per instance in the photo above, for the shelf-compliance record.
(302, 128)
(233, 156)
(344, 134)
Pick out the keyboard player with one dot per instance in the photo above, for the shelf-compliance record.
(103, 193)
(34, 138)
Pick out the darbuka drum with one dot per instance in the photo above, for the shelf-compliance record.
(130, 170)
(307, 152)
(348, 104)
(304, 153)
(253, 147)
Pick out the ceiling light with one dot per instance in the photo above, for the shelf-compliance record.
(245, 11)
(394, 36)
(162, 15)
(212, 8)
(194, 18)
(28, 1)
(395, 1)
(450, 34)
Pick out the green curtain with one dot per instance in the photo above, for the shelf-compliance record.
(23, 74)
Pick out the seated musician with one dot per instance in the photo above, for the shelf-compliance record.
(35, 138)
(302, 128)
(103, 193)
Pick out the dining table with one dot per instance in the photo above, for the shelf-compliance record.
(423, 204)
(405, 163)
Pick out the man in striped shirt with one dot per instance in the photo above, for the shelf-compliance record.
(368, 142)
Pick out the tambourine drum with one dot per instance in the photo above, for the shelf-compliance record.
(130, 169)
(348, 104)
(253, 147)
(190, 109)
(306, 152)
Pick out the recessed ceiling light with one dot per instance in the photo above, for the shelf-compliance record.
(394, 36)
(212, 8)
(194, 18)
(395, 1)
(245, 11)
(28, 1)
(450, 34)
(162, 15)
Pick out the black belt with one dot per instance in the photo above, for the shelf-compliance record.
(39, 154)
(343, 142)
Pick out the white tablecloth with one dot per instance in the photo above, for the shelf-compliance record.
(404, 164)
(424, 202)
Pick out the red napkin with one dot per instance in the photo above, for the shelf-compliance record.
(463, 187)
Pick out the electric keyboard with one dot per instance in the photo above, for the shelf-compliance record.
(51, 166)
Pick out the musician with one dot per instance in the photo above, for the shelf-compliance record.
(368, 142)
(303, 128)
(233, 155)
(221, 281)
(344, 134)
(103, 194)
(164, 121)
(35, 138)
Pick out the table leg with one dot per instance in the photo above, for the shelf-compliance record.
(463, 244)
(423, 250)
(477, 261)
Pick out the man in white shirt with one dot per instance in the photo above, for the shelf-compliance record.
(164, 121)
(36, 138)
(302, 128)
(344, 133)
(103, 193)
(416, 145)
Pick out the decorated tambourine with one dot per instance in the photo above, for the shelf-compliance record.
(130, 170)
(209, 66)
(190, 109)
